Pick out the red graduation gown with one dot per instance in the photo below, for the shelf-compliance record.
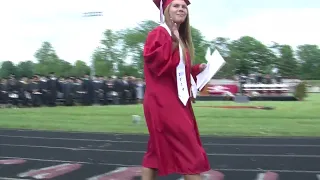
(174, 145)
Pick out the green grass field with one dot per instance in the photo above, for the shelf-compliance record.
(288, 119)
(313, 82)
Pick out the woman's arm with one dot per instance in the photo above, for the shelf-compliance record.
(158, 51)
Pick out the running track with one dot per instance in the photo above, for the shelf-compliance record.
(77, 156)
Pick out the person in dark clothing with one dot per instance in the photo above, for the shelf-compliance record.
(119, 89)
(43, 88)
(78, 91)
(125, 91)
(35, 91)
(108, 89)
(52, 87)
(68, 91)
(4, 98)
(132, 89)
(13, 90)
(98, 89)
(24, 95)
(88, 89)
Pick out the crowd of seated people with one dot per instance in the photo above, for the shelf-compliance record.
(260, 79)
(69, 91)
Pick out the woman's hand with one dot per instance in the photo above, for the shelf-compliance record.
(202, 66)
(174, 30)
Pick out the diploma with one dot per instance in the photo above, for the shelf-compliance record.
(214, 63)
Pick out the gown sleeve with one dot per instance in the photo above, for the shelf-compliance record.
(158, 55)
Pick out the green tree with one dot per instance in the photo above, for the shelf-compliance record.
(26, 68)
(286, 63)
(8, 68)
(133, 42)
(64, 68)
(110, 51)
(250, 55)
(200, 45)
(102, 66)
(80, 68)
(48, 61)
(309, 56)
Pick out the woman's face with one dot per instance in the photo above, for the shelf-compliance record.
(178, 11)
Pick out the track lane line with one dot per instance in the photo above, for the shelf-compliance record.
(127, 151)
(126, 165)
(145, 142)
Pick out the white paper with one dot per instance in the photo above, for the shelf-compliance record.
(214, 63)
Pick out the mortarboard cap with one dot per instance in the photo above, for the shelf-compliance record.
(163, 4)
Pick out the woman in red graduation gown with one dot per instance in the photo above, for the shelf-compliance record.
(174, 145)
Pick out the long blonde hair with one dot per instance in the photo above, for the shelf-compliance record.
(185, 34)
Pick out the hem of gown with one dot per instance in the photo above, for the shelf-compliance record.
(159, 173)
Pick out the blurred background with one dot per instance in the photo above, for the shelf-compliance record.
(267, 42)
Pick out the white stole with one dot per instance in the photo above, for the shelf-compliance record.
(183, 91)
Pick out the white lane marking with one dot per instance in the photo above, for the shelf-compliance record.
(145, 135)
(72, 139)
(126, 165)
(210, 175)
(144, 142)
(7, 178)
(267, 176)
(12, 161)
(128, 151)
(64, 161)
(51, 171)
(121, 173)
(72, 149)
(260, 176)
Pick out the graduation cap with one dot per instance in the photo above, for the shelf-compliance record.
(163, 4)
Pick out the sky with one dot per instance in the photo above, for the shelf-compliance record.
(25, 24)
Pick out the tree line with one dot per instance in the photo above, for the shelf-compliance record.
(120, 53)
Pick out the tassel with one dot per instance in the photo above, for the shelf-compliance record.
(161, 12)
